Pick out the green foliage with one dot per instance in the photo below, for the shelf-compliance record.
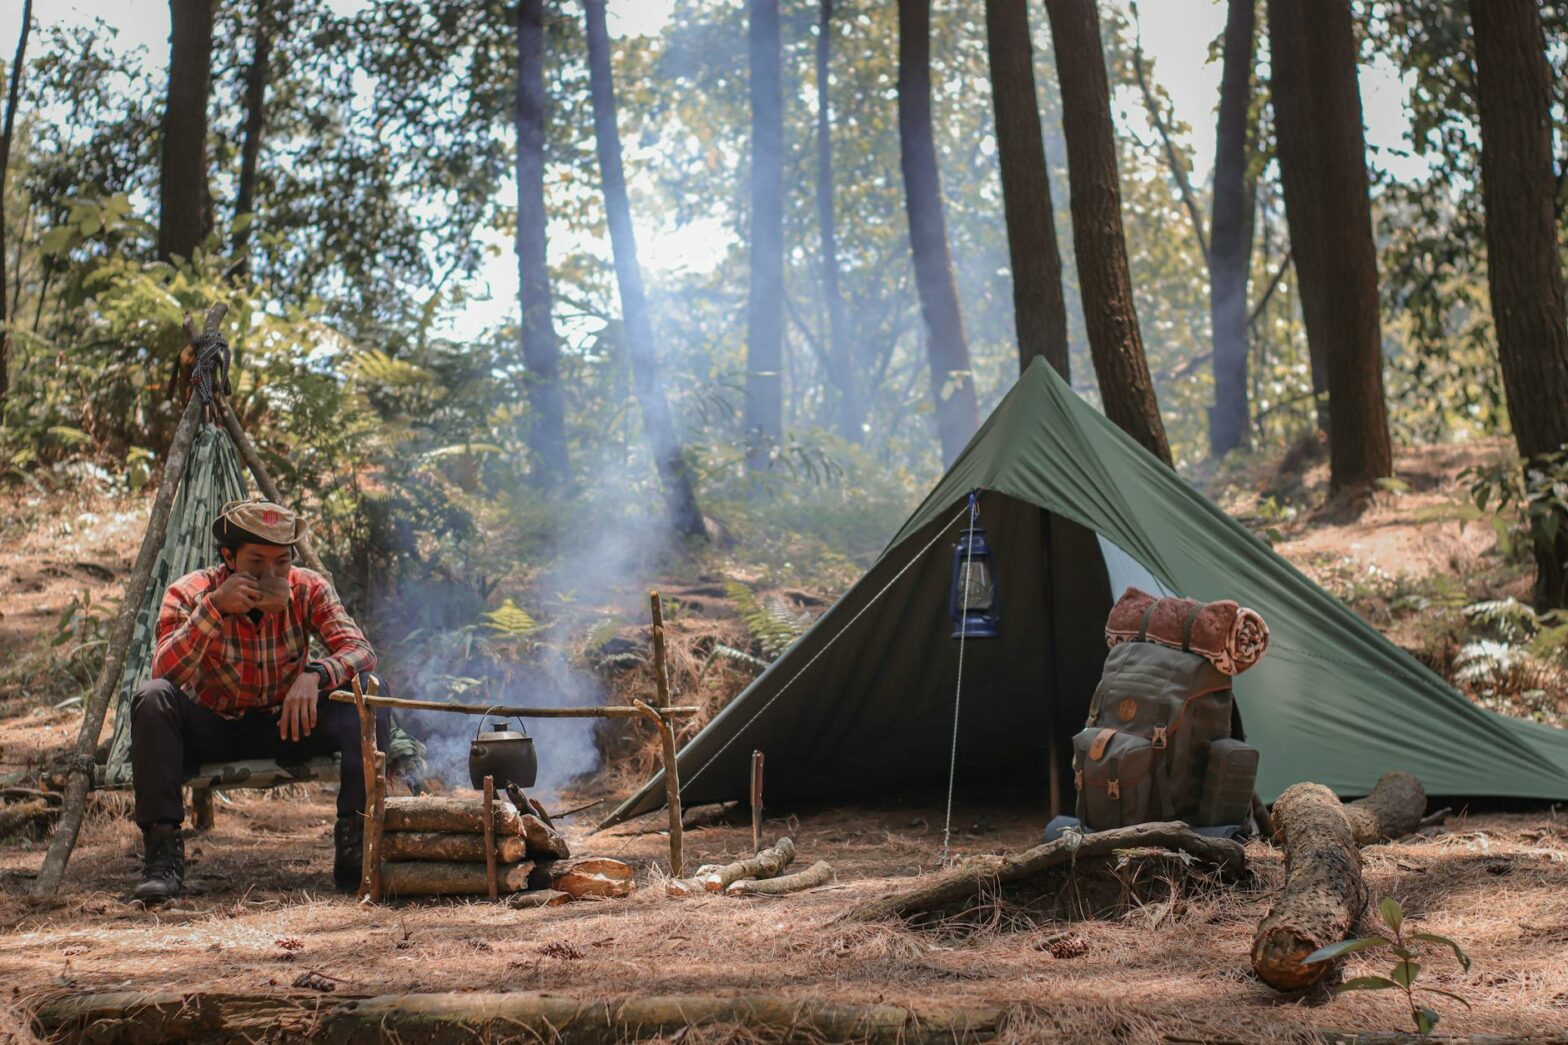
(1406, 948)
(769, 621)
(511, 621)
(1530, 502)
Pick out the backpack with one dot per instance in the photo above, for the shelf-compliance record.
(1158, 744)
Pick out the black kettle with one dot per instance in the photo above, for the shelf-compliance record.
(501, 753)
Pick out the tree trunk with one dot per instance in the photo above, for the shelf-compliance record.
(1523, 266)
(1039, 313)
(256, 80)
(5, 163)
(1115, 342)
(1322, 159)
(1323, 895)
(185, 217)
(846, 409)
(1230, 243)
(674, 473)
(763, 417)
(1393, 810)
(952, 380)
(541, 353)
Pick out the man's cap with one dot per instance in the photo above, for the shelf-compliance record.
(258, 521)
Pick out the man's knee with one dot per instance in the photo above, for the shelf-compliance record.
(154, 700)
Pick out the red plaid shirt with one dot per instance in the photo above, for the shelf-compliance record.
(232, 664)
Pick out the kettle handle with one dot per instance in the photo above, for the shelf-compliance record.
(480, 728)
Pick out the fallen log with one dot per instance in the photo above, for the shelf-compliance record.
(538, 898)
(1323, 895)
(1393, 810)
(978, 874)
(544, 841)
(448, 813)
(584, 877)
(404, 878)
(450, 846)
(341, 1018)
(715, 878)
(32, 817)
(819, 873)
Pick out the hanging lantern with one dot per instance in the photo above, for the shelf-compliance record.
(973, 599)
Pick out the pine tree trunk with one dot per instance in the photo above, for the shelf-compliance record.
(846, 408)
(185, 217)
(952, 381)
(1115, 342)
(1230, 244)
(1039, 313)
(674, 473)
(541, 353)
(764, 406)
(1322, 159)
(1523, 265)
(5, 163)
(256, 79)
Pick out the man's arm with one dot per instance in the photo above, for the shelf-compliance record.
(188, 624)
(348, 652)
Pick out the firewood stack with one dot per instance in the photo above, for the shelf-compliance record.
(439, 846)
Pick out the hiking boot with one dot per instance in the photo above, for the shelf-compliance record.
(163, 863)
(348, 856)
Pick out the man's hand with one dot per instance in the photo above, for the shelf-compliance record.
(299, 708)
(238, 594)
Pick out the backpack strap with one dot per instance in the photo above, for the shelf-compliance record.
(1143, 625)
(1097, 746)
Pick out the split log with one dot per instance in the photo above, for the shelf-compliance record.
(1323, 896)
(538, 898)
(1393, 810)
(450, 846)
(819, 873)
(406, 878)
(447, 813)
(715, 878)
(544, 841)
(585, 876)
(982, 873)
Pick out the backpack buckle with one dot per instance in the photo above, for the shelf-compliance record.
(1159, 742)
(1113, 788)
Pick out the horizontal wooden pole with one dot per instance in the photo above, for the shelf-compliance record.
(606, 711)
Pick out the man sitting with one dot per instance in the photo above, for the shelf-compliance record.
(233, 678)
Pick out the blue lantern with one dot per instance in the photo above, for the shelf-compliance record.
(973, 600)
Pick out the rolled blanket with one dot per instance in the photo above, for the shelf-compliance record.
(1226, 635)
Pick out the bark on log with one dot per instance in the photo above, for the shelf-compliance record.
(1323, 896)
(451, 846)
(715, 878)
(27, 817)
(445, 813)
(819, 873)
(333, 1019)
(585, 876)
(529, 898)
(544, 841)
(404, 878)
(970, 878)
(1393, 810)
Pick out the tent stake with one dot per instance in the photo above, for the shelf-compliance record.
(80, 780)
(672, 784)
(661, 678)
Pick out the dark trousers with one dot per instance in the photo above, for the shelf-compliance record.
(171, 734)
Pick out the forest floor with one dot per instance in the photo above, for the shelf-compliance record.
(259, 913)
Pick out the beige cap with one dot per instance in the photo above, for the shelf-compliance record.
(267, 521)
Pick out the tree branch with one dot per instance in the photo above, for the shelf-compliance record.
(1189, 199)
(1268, 291)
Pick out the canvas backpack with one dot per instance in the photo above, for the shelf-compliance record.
(1144, 752)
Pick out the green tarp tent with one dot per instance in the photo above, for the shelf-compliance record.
(862, 705)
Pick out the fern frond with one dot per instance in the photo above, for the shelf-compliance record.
(511, 620)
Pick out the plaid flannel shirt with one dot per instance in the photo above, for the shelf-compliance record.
(232, 664)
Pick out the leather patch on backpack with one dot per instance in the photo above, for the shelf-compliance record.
(1097, 749)
(1127, 710)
